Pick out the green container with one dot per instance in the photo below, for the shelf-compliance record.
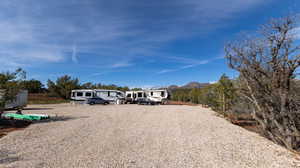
(29, 117)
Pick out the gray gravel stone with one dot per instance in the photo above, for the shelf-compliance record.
(133, 136)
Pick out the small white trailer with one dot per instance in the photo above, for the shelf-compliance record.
(157, 96)
(114, 96)
(19, 102)
(135, 96)
(147, 96)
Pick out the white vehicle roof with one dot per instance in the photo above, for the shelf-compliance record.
(160, 90)
(99, 90)
(82, 90)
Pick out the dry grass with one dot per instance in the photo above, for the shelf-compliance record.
(44, 98)
(181, 103)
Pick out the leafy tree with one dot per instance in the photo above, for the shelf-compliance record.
(10, 86)
(267, 66)
(136, 89)
(225, 91)
(88, 85)
(33, 86)
(63, 86)
(209, 96)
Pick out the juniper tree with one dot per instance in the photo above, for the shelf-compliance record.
(267, 64)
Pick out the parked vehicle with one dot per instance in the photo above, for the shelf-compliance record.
(96, 100)
(147, 96)
(135, 96)
(157, 96)
(113, 96)
(82, 95)
(19, 102)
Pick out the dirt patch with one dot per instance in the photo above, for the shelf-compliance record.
(181, 103)
(5, 131)
(7, 126)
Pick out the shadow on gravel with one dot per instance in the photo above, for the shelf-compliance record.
(37, 109)
(60, 118)
(7, 125)
(6, 159)
(25, 109)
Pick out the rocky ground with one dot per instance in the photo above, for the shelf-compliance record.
(117, 136)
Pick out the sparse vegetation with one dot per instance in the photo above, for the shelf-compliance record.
(267, 65)
(10, 85)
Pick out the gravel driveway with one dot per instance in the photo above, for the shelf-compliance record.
(117, 136)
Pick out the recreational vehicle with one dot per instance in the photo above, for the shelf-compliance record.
(135, 96)
(20, 100)
(109, 95)
(157, 96)
(82, 95)
(147, 96)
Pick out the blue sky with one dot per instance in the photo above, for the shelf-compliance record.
(137, 43)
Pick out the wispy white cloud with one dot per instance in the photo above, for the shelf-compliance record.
(74, 54)
(192, 63)
(121, 65)
(97, 74)
(33, 31)
(296, 33)
(167, 71)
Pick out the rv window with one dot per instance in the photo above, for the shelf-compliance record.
(162, 94)
(79, 94)
(113, 94)
(140, 94)
(129, 95)
(88, 94)
(151, 93)
(102, 94)
(73, 94)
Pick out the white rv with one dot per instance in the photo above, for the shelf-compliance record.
(135, 96)
(157, 96)
(20, 100)
(147, 96)
(82, 95)
(110, 95)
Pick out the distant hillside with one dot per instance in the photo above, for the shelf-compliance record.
(193, 85)
(173, 87)
(190, 85)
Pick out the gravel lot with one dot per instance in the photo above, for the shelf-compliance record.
(116, 136)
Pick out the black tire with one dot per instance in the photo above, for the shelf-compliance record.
(92, 103)
(105, 103)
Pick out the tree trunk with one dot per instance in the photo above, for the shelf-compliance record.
(224, 103)
(2, 107)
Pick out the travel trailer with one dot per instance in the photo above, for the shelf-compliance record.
(147, 96)
(20, 100)
(157, 96)
(135, 96)
(109, 95)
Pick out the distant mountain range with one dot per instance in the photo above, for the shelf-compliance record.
(190, 85)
